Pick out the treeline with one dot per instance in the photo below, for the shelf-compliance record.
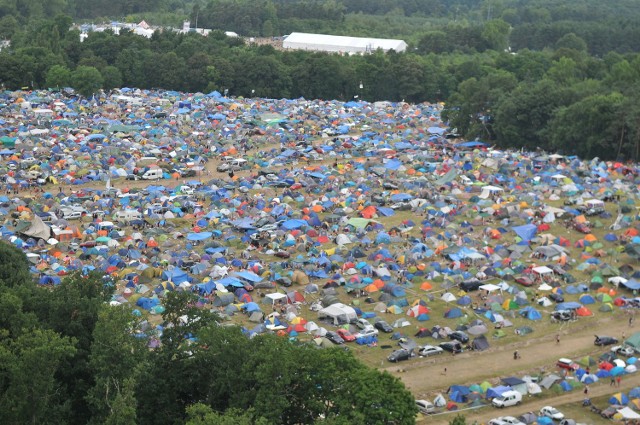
(562, 99)
(68, 357)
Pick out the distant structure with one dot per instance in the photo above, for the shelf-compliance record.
(340, 44)
(143, 29)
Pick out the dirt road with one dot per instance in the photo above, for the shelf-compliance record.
(426, 377)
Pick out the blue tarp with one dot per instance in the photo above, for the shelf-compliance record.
(199, 236)
(526, 232)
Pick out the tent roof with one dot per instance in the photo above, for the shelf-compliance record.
(334, 43)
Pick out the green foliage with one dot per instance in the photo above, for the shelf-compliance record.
(458, 420)
(87, 80)
(201, 414)
(14, 267)
(58, 76)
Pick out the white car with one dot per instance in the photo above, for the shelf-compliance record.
(430, 350)
(363, 324)
(425, 406)
(552, 412)
(366, 333)
(624, 350)
(505, 420)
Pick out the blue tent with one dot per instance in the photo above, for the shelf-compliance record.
(199, 236)
(453, 313)
(587, 299)
(293, 224)
(176, 276)
(525, 232)
(497, 391)
(458, 393)
(568, 306)
(530, 313)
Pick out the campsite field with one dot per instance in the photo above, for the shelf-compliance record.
(426, 377)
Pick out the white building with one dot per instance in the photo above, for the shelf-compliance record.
(340, 44)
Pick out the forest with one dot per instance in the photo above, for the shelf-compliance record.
(68, 357)
(494, 62)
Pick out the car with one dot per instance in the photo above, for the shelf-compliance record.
(602, 340)
(505, 420)
(564, 363)
(471, 285)
(132, 177)
(227, 166)
(425, 407)
(552, 412)
(525, 280)
(451, 346)
(278, 183)
(459, 336)
(562, 315)
(557, 298)
(346, 335)
(383, 326)
(399, 355)
(365, 333)
(624, 350)
(334, 337)
(430, 350)
(363, 324)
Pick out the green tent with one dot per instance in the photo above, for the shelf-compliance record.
(634, 341)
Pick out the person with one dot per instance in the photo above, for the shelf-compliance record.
(612, 382)
(516, 355)
(630, 321)
(557, 338)
(586, 390)
(618, 379)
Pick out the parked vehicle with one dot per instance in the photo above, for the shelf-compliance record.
(334, 337)
(346, 335)
(425, 406)
(552, 412)
(383, 326)
(459, 336)
(505, 420)
(507, 399)
(153, 174)
(602, 340)
(451, 346)
(624, 350)
(564, 363)
(430, 350)
(399, 355)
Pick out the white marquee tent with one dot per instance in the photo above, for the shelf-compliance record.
(334, 43)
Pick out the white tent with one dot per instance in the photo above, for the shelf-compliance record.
(340, 44)
(627, 413)
(448, 297)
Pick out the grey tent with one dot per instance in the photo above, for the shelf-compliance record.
(528, 418)
(256, 316)
(548, 381)
(327, 300)
(311, 288)
(480, 343)
(223, 300)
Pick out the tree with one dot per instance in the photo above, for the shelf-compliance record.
(116, 357)
(14, 267)
(593, 126)
(496, 34)
(112, 77)
(58, 76)
(28, 368)
(201, 414)
(87, 80)
(458, 420)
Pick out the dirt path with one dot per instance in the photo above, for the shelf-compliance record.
(483, 415)
(426, 377)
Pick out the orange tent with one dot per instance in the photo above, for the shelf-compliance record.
(368, 212)
(584, 311)
(590, 237)
(371, 288)
(426, 286)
